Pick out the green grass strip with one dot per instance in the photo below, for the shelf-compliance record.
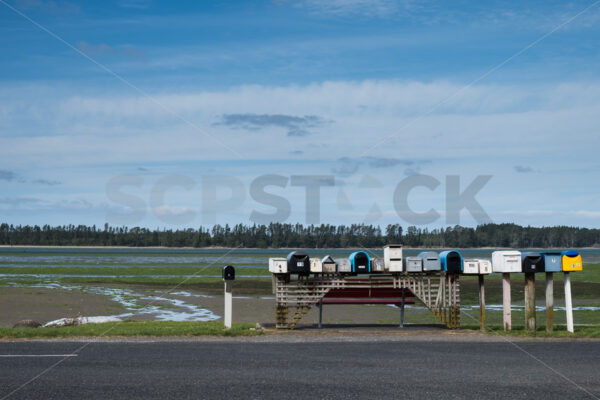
(133, 328)
(592, 331)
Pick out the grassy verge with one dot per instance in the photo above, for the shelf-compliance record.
(592, 331)
(130, 328)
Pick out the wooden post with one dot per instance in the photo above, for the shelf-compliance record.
(482, 302)
(321, 313)
(530, 301)
(549, 302)
(402, 308)
(568, 303)
(228, 304)
(506, 301)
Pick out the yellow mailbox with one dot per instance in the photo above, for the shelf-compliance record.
(571, 261)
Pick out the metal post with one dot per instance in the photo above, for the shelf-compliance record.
(549, 302)
(506, 301)
(320, 313)
(482, 302)
(402, 308)
(568, 303)
(228, 304)
(530, 324)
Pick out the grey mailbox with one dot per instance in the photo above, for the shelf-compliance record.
(413, 264)
(431, 261)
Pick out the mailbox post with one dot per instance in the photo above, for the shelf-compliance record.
(530, 324)
(553, 263)
(568, 303)
(506, 262)
(531, 263)
(482, 302)
(571, 261)
(228, 278)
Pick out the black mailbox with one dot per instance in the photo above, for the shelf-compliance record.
(532, 262)
(228, 273)
(298, 263)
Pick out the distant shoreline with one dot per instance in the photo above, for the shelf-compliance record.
(21, 246)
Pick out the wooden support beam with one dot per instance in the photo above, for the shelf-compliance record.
(549, 302)
(530, 324)
(295, 297)
(506, 301)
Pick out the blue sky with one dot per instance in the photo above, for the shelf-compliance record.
(172, 94)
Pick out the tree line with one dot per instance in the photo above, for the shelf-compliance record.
(277, 235)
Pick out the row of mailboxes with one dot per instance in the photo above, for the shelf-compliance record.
(451, 261)
(360, 262)
(531, 262)
(394, 261)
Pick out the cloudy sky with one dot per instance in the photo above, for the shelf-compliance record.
(181, 114)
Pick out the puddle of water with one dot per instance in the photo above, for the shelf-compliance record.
(188, 294)
(82, 320)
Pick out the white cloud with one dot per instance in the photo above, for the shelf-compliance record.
(487, 129)
(386, 119)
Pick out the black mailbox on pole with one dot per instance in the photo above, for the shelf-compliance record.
(532, 262)
(298, 263)
(228, 273)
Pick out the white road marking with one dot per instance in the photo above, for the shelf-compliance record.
(37, 355)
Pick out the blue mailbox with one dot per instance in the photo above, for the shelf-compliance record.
(361, 262)
(553, 262)
(451, 261)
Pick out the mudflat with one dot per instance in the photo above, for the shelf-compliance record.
(45, 304)
(42, 304)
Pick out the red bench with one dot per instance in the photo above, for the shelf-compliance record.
(367, 296)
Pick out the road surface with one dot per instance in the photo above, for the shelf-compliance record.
(247, 369)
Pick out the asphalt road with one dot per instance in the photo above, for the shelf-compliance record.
(246, 370)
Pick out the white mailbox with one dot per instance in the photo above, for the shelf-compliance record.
(471, 267)
(413, 264)
(278, 265)
(328, 265)
(316, 267)
(485, 266)
(377, 265)
(343, 265)
(506, 261)
(392, 257)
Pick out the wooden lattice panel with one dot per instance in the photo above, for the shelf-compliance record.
(439, 292)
